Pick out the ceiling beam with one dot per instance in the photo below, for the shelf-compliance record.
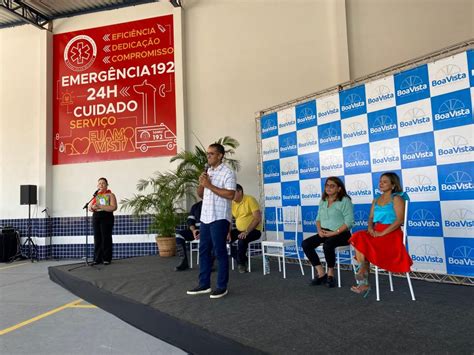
(27, 13)
(176, 3)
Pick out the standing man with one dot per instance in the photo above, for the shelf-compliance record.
(217, 188)
(248, 218)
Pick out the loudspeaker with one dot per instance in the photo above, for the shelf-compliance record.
(9, 244)
(28, 195)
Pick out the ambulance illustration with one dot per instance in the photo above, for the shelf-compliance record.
(153, 137)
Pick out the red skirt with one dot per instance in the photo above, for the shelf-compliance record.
(387, 252)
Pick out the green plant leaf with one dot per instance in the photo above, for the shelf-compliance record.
(162, 195)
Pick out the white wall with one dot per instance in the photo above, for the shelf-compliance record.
(383, 33)
(2, 79)
(241, 56)
(244, 56)
(22, 76)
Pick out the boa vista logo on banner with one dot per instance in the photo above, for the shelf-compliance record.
(269, 125)
(460, 256)
(289, 168)
(428, 254)
(361, 217)
(424, 219)
(308, 217)
(114, 92)
(306, 115)
(310, 192)
(458, 220)
(270, 148)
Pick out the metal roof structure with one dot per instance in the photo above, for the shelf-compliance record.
(41, 13)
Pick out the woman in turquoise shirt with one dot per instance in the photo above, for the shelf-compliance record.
(382, 243)
(334, 221)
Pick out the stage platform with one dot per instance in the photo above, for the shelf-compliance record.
(269, 314)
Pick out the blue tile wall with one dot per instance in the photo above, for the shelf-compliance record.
(64, 226)
(77, 226)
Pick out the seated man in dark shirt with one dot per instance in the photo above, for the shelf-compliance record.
(189, 234)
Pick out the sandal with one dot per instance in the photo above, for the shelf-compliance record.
(361, 272)
(361, 290)
(361, 276)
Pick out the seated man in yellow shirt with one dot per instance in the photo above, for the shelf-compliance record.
(248, 218)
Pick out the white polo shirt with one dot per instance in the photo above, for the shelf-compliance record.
(214, 207)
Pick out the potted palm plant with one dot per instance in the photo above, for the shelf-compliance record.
(191, 163)
(159, 197)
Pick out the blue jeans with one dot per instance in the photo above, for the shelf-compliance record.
(213, 237)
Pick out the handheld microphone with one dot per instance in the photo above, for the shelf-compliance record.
(206, 167)
(95, 193)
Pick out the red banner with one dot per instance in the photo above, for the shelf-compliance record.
(114, 92)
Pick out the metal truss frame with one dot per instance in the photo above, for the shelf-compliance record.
(451, 50)
(176, 3)
(27, 13)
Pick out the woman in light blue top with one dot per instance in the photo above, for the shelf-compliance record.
(334, 221)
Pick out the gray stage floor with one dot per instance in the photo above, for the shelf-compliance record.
(26, 292)
(279, 316)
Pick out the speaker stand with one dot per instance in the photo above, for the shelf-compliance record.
(29, 244)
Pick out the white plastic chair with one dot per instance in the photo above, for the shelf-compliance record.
(339, 260)
(288, 216)
(194, 247)
(254, 247)
(376, 268)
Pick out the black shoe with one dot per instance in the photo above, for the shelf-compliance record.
(106, 262)
(95, 263)
(218, 293)
(199, 290)
(331, 282)
(181, 267)
(319, 281)
(242, 268)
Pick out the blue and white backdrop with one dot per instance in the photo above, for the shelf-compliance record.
(418, 123)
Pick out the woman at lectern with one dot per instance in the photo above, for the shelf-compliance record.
(382, 243)
(333, 222)
(103, 205)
